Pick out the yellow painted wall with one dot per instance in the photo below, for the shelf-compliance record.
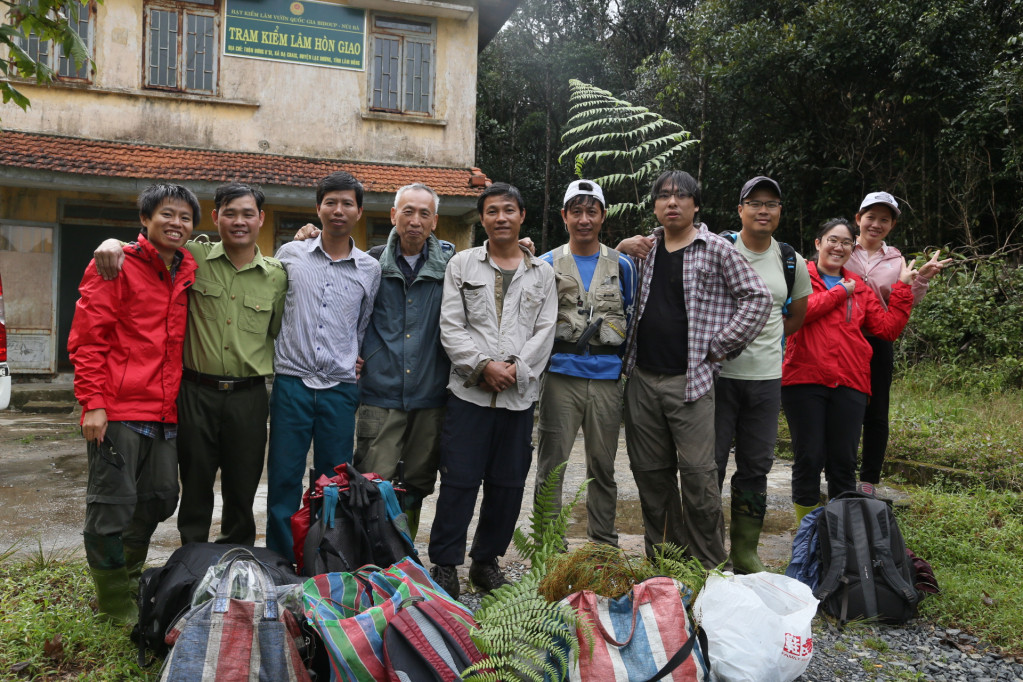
(262, 106)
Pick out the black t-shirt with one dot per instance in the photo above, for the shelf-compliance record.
(663, 335)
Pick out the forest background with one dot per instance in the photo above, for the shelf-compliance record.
(921, 98)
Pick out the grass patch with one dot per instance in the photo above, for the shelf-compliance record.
(978, 429)
(981, 431)
(48, 630)
(972, 538)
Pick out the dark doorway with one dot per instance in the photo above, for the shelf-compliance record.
(77, 242)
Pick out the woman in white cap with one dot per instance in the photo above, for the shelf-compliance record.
(879, 265)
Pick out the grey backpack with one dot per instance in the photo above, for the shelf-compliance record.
(865, 572)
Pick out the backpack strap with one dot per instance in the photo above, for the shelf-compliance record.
(862, 541)
(882, 550)
(788, 264)
(833, 517)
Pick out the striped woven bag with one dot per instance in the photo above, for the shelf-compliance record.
(351, 610)
(641, 636)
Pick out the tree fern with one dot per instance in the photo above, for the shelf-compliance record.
(524, 636)
(630, 145)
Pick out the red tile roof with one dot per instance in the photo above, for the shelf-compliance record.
(128, 160)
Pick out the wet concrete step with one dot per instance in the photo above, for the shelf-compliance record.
(52, 398)
(48, 407)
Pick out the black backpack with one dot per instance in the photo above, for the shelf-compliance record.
(788, 264)
(354, 535)
(865, 572)
(165, 592)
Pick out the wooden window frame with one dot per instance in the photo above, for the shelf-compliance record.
(404, 38)
(55, 60)
(182, 11)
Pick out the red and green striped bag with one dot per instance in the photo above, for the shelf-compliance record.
(351, 610)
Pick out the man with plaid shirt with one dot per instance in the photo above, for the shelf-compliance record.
(702, 304)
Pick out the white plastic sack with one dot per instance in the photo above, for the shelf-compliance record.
(758, 626)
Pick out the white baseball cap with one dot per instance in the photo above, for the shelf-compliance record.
(881, 198)
(584, 188)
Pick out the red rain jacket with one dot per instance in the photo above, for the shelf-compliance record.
(829, 349)
(127, 335)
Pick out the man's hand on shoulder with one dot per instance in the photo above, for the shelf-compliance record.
(527, 243)
(109, 258)
(307, 231)
(638, 246)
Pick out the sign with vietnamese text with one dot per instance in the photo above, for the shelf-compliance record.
(306, 32)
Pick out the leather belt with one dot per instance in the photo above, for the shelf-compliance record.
(572, 349)
(222, 383)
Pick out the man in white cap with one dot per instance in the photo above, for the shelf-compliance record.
(581, 387)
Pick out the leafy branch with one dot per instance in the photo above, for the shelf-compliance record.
(634, 143)
(48, 20)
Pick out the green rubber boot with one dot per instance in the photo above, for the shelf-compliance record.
(135, 561)
(413, 520)
(802, 511)
(748, 511)
(115, 602)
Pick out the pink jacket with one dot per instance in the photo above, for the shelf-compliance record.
(881, 271)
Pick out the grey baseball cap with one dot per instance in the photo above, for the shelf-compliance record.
(752, 184)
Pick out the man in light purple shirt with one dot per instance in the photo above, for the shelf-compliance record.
(331, 288)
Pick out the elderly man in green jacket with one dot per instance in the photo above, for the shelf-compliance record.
(402, 388)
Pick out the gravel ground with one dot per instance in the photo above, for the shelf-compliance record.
(917, 651)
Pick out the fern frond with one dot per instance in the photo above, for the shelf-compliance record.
(523, 635)
(636, 142)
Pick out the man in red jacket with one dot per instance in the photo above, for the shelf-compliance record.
(126, 345)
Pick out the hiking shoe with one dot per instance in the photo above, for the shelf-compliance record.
(487, 575)
(447, 578)
(865, 488)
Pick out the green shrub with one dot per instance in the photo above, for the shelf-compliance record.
(970, 323)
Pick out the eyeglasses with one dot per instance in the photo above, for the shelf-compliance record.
(678, 194)
(835, 241)
(757, 205)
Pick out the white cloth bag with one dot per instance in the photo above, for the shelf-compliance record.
(757, 626)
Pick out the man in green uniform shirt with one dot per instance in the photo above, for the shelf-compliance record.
(234, 314)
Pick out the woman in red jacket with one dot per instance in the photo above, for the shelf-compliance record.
(826, 372)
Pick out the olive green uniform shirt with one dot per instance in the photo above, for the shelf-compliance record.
(233, 315)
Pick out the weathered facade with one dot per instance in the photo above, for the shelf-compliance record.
(273, 92)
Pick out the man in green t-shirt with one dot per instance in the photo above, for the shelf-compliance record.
(748, 390)
(234, 315)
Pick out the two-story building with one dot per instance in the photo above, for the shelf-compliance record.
(200, 92)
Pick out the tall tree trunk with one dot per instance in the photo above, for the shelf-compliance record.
(545, 219)
(512, 144)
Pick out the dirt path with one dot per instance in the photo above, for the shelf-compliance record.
(43, 474)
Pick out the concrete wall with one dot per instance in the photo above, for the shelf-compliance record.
(262, 106)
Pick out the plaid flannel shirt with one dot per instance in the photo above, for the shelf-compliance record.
(726, 301)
